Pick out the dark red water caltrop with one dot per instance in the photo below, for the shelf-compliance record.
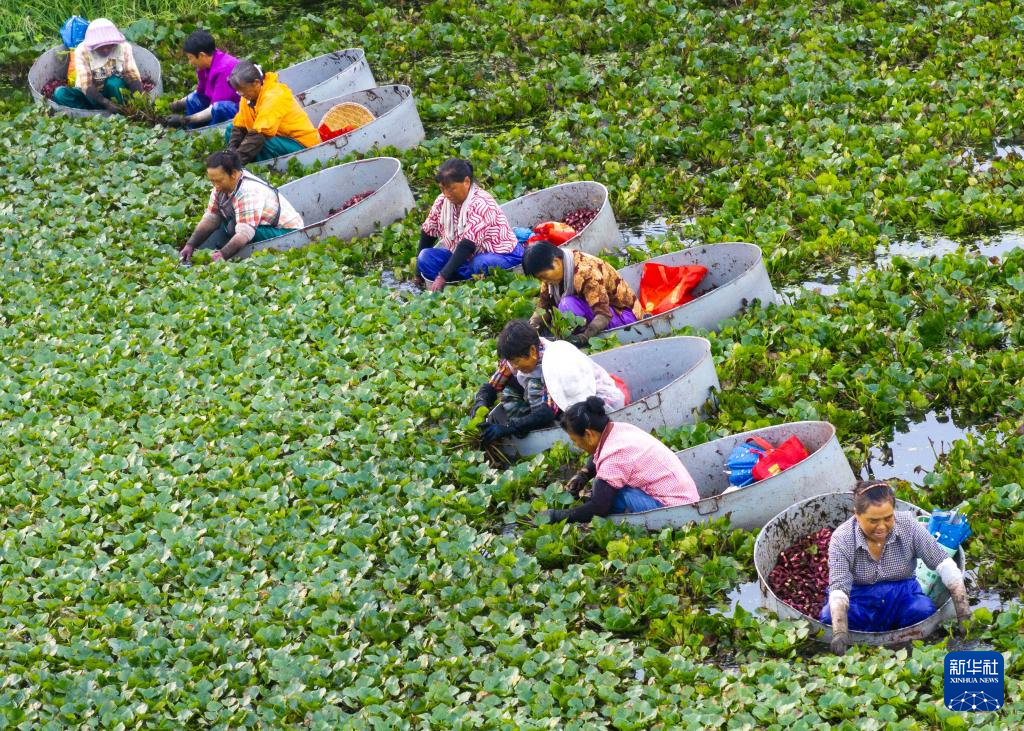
(579, 218)
(355, 199)
(800, 576)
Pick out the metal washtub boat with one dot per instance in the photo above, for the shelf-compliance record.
(670, 381)
(318, 197)
(824, 470)
(54, 65)
(828, 511)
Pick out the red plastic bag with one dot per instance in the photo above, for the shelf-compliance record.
(778, 459)
(326, 133)
(622, 387)
(663, 288)
(554, 231)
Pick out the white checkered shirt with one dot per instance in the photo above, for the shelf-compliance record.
(850, 562)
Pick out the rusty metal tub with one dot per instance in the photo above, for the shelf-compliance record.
(670, 380)
(54, 65)
(397, 124)
(736, 278)
(828, 511)
(551, 204)
(316, 196)
(825, 470)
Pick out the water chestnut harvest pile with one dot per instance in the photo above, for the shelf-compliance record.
(356, 199)
(579, 218)
(800, 577)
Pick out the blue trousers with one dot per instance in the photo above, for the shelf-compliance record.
(633, 500)
(885, 606)
(430, 262)
(220, 111)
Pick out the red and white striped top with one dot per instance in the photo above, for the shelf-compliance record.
(629, 456)
(485, 225)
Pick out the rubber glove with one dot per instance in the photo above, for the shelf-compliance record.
(493, 432)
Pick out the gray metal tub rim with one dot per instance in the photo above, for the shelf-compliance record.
(654, 402)
(149, 69)
(403, 96)
(397, 172)
(354, 56)
(823, 632)
(753, 251)
(558, 187)
(825, 469)
(354, 165)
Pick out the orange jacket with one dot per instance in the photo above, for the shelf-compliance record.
(277, 114)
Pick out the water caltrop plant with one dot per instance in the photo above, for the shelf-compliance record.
(247, 496)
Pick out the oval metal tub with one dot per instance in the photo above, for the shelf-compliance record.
(54, 65)
(551, 204)
(397, 124)
(316, 196)
(828, 511)
(327, 76)
(669, 380)
(736, 278)
(825, 470)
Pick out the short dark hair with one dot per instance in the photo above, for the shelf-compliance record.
(589, 414)
(872, 492)
(245, 72)
(516, 339)
(227, 160)
(454, 170)
(539, 257)
(199, 41)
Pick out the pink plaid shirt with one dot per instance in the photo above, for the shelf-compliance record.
(486, 225)
(629, 456)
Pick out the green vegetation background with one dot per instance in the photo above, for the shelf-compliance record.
(242, 496)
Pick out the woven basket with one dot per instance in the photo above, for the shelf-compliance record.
(347, 114)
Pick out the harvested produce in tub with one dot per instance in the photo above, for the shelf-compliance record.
(800, 576)
(351, 202)
(580, 217)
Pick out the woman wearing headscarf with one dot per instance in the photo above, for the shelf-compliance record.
(474, 233)
(104, 70)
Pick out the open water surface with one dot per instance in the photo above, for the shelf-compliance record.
(915, 448)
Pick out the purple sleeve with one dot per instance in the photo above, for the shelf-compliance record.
(201, 77)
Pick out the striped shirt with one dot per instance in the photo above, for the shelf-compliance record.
(627, 456)
(486, 225)
(850, 562)
(255, 204)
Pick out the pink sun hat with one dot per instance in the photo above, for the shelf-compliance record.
(102, 32)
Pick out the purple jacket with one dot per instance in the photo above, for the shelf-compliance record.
(213, 82)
